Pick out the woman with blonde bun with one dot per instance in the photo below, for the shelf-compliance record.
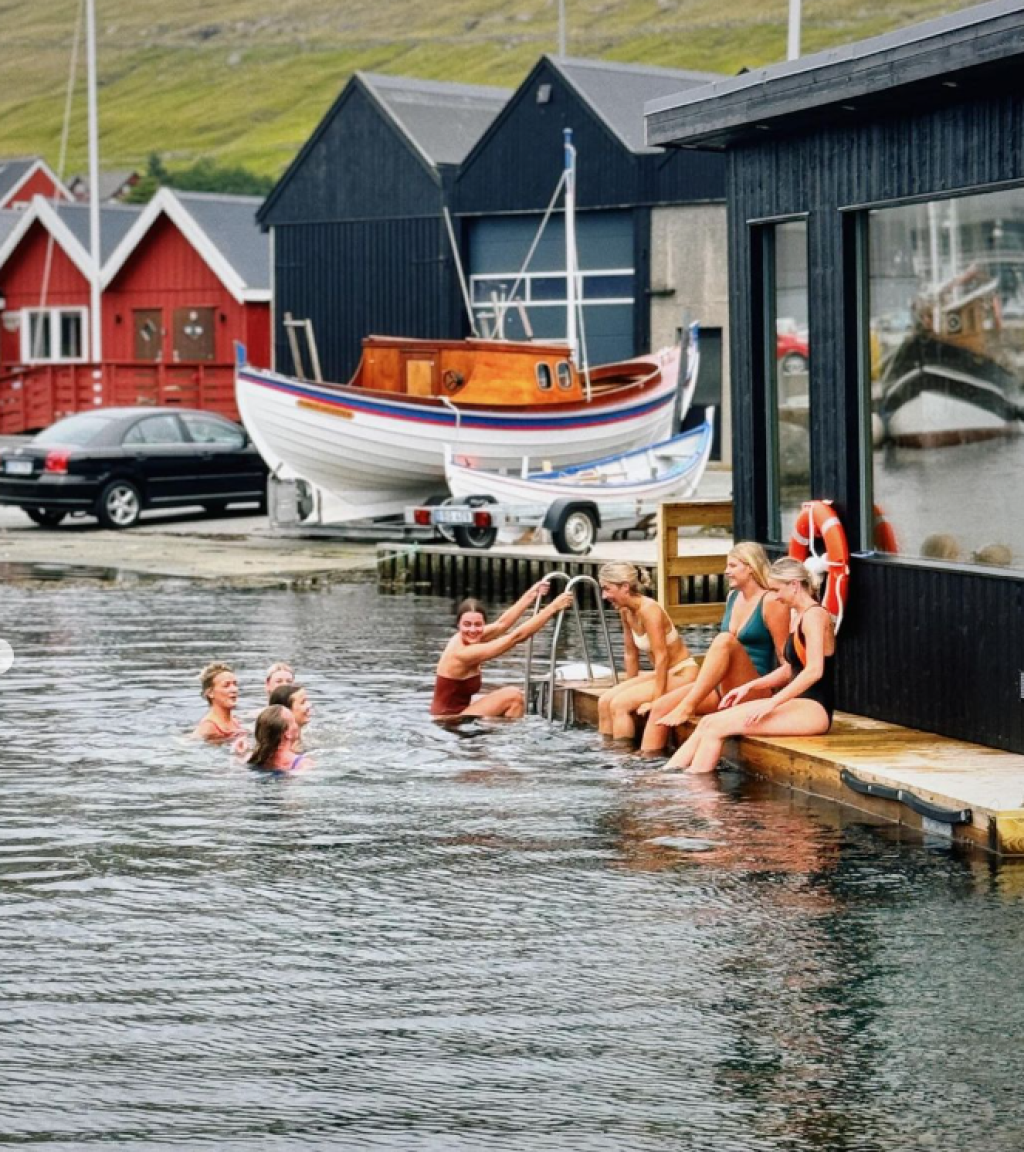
(219, 687)
(647, 629)
(754, 631)
(803, 694)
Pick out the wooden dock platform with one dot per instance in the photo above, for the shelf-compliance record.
(963, 792)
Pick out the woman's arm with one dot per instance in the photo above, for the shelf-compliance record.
(630, 652)
(777, 678)
(473, 655)
(512, 614)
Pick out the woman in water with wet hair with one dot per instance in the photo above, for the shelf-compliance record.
(277, 735)
(648, 630)
(476, 642)
(219, 688)
(754, 630)
(278, 674)
(803, 693)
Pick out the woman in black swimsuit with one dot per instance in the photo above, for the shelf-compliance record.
(802, 699)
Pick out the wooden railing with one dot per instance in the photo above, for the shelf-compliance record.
(33, 396)
(685, 583)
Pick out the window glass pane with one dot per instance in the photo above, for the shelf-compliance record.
(207, 430)
(543, 377)
(564, 374)
(488, 288)
(607, 287)
(789, 367)
(155, 430)
(39, 335)
(946, 340)
(70, 324)
(549, 288)
(74, 430)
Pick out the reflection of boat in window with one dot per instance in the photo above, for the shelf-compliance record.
(949, 381)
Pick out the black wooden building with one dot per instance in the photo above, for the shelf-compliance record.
(876, 211)
(358, 237)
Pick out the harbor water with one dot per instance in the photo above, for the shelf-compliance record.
(505, 936)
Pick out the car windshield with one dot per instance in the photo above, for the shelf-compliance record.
(75, 430)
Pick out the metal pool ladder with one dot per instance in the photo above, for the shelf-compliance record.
(549, 686)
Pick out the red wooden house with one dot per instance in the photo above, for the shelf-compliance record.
(25, 177)
(182, 279)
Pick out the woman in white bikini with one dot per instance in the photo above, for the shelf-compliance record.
(648, 630)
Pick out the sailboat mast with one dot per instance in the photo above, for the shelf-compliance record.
(570, 246)
(96, 333)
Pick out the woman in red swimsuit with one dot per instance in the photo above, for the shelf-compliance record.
(476, 642)
(220, 689)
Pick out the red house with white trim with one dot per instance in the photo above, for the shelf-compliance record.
(28, 176)
(181, 280)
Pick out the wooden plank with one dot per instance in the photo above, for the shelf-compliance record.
(706, 565)
(686, 614)
(696, 514)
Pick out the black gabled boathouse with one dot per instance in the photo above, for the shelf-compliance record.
(876, 213)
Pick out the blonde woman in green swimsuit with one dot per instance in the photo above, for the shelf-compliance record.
(754, 631)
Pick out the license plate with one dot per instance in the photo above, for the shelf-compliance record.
(18, 467)
(454, 516)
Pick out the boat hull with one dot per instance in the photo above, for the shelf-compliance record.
(363, 445)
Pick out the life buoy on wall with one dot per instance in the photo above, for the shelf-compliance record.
(818, 519)
(884, 533)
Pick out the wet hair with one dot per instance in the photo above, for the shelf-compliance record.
(622, 572)
(284, 694)
(209, 674)
(786, 568)
(271, 726)
(280, 666)
(470, 605)
(751, 553)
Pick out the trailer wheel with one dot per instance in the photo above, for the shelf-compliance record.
(478, 539)
(576, 532)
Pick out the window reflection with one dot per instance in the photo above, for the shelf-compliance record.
(788, 310)
(946, 339)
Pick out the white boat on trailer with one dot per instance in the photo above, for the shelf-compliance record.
(615, 493)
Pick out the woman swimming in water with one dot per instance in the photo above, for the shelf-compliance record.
(803, 690)
(646, 628)
(754, 631)
(278, 674)
(219, 688)
(277, 735)
(476, 642)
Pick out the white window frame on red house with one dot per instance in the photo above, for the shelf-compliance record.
(55, 316)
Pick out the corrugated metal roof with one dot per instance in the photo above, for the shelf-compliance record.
(114, 224)
(12, 172)
(618, 92)
(444, 121)
(230, 223)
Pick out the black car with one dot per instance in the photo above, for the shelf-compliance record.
(115, 462)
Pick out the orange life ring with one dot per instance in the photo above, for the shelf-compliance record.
(884, 534)
(818, 519)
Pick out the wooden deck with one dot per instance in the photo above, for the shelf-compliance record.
(964, 792)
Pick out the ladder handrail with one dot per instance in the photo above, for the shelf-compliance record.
(527, 678)
(570, 587)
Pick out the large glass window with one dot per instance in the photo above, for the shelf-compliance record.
(495, 297)
(946, 340)
(787, 368)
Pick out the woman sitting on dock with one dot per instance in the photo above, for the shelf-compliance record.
(754, 631)
(803, 693)
(476, 642)
(219, 688)
(277, 735)
(647, 629)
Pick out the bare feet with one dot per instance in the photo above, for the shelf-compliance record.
(678, 715)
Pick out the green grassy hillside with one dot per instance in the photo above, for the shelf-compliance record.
(245, 82)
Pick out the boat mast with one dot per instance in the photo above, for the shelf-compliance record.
(570, 247)
(96, 338)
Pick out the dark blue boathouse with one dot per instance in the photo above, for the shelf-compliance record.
(358, 235)
(875, 201)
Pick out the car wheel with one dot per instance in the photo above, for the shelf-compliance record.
(119, 505)
(44, 517)
(577, 532)
(478, 539)
(793, 364)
